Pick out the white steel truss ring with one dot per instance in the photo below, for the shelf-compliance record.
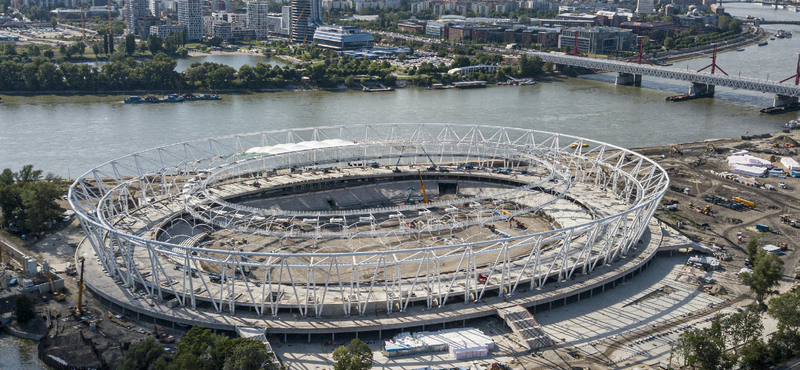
(601, 202)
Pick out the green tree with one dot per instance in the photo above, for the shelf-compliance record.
(130, 44)
(743, 327)
(460, 61)
(349, 81)
(356, 356)
(755, 354)
(54, 22)
(248, 355)
(704, 349)
(669, 43)
(154, 43)
(786, 309)
(23, 309)
(765, 277)
(752, 250)
(143, 356)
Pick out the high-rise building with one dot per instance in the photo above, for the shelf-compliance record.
(155, 7)
(257, 20)
(190, 15)
(286, 20)
(644, 7)
(306, 16)
(135, 9)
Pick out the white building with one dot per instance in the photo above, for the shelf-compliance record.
(155, 7)
(257, 20)
(135, 9)
(644, 7)
(165, 30)
(190, 15)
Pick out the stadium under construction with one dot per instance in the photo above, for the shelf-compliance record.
(365, 227)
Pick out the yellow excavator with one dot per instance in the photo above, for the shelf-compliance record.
(58, 296)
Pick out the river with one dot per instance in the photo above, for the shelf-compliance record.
(69, 135)
(18, 354)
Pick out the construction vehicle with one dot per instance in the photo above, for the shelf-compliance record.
(785, 218)
(797, 273)
(422, 186)
(78, 311)
(746, 202)
(711, 148)
(397, 165)
(162, 335)
(466, 166)
(784, 246)
(58, 296)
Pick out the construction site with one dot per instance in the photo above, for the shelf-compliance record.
(382, 232)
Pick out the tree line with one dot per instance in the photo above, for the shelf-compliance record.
(28, 200)
(126, 73)
(200, 349)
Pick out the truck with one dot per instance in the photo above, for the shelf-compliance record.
(685, 191)
(746, 202)
(761, 227)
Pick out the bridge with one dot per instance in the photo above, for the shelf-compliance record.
(702, 83)
(761, 22)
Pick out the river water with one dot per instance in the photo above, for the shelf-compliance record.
(69, 135)
(18, 354)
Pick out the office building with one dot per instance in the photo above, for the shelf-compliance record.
(165, 30)
(598, 40)
(257, 20)
(342, 38)
(190, 15)
(644, 7)
(306, 17)
(135, 9)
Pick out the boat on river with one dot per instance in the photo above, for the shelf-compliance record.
(171, 98)
(192, 97)
(140, 100)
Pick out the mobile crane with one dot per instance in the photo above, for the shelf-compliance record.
(78, 311)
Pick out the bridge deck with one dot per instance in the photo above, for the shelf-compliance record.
(744, 83)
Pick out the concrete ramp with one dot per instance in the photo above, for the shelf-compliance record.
(257, 334)
(525, 326)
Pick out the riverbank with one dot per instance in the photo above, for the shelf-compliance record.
(759, 35)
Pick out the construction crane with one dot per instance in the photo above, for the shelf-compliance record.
(422, 186)
(78, 311)
(58, 296)
(83, 25)
(110, 34)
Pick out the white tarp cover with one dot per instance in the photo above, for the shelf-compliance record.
(790, 164)
(460, 343)
(748, 170)
(296, 147)
(748, 160)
